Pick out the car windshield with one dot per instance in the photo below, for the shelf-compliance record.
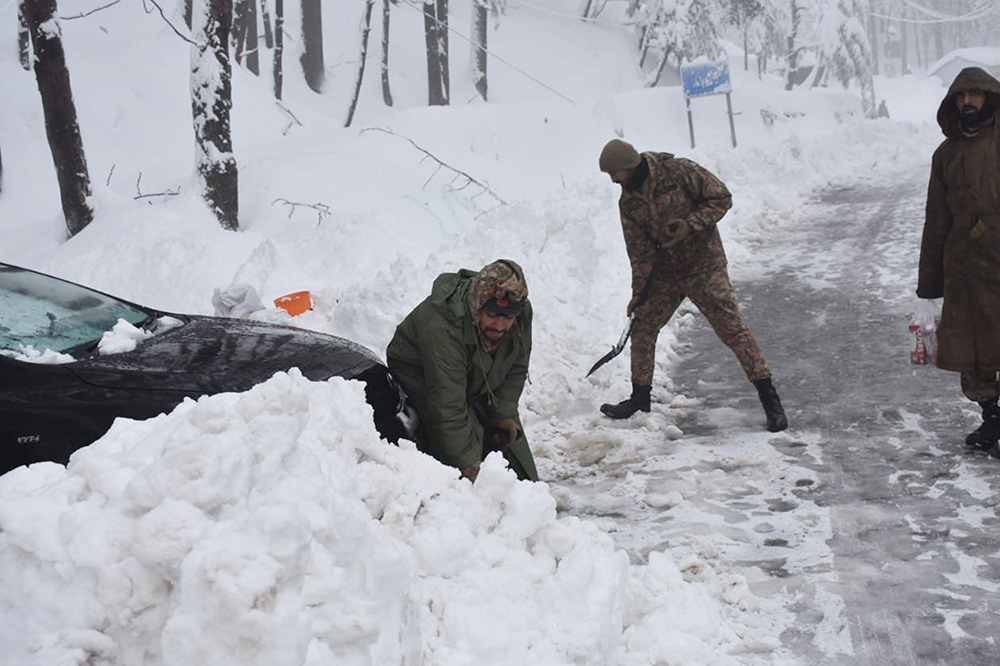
(44, 312)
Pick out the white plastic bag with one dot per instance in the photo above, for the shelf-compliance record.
(238, 300)
(923, 332)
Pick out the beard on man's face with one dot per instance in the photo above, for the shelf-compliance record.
(970, 116)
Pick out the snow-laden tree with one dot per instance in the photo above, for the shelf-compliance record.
(23, 38)
(742, 14)
(211, 104)
(436, 42)
(366, 27)
(245, 39)
(482, 9)
(61, 126)
(386, 90)
(679, 29)
(840, 47)
(277, 69)
(853, 57)
(799, 22)
(312, 45)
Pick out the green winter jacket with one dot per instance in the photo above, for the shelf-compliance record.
(437, 358)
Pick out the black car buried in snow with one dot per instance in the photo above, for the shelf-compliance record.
(60, 391)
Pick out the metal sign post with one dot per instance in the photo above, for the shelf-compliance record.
(706, 79)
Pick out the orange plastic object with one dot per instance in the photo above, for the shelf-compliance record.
(295, 303)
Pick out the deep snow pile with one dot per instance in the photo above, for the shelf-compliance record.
(273, 527)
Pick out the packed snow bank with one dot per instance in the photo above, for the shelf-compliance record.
(270, 527)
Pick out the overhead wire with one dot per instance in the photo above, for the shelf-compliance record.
(412, 5)
(977, 13)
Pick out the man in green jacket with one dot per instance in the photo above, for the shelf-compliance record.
(960, 246)
(462, 357)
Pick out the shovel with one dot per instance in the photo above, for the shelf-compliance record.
(617, 349)
(659, 259)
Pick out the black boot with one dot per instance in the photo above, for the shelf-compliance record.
(776, 419)
(985, 437)
(638, 402)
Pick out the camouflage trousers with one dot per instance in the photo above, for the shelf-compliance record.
(712, 294)
(980, 386)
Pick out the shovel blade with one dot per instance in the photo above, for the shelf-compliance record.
(617, 349)
(604, 359)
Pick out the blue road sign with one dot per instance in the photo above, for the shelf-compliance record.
(706, 79)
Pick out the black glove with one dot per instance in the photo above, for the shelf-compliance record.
(500, 435)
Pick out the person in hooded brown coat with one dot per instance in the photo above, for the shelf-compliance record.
(960, 248)
(669, 209)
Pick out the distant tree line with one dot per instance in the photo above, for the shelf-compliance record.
(811, 42)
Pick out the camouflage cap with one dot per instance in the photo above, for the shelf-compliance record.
(502, 280)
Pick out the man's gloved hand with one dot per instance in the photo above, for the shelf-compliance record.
(675, 232)
(631, 305)
(506, 431)
(471, 472)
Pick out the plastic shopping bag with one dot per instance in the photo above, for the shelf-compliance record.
(923, 332)
(238, 300)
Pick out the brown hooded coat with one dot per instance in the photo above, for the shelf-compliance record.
(960, 248)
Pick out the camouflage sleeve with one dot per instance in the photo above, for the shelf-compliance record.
(711, 195)
(641, 249)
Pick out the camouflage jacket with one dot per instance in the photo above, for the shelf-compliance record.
(676, 189)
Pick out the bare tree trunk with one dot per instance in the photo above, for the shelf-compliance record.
(873, 36)
(23, 38)
(659, 69)
(792, 64)
(365, 31)
(312, 44)
(187, 13)
(245, 34)
(436, 38)
(746, 49)
(61, 124)
(238, 32)
(644, 41)
(252, 39)
(211, 104)
(265, 15)
(279, 45)
(386, 92)
(904, 29)
(480, 22)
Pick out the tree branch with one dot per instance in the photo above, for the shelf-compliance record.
(458, 175)
(322, 210)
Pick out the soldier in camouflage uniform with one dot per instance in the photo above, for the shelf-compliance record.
(669, 209)
(462, 357)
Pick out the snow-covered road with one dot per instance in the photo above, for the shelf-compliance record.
(866, 520)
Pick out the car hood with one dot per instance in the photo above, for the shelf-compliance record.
(214, 354)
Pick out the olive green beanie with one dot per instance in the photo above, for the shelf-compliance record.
(618, 155)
